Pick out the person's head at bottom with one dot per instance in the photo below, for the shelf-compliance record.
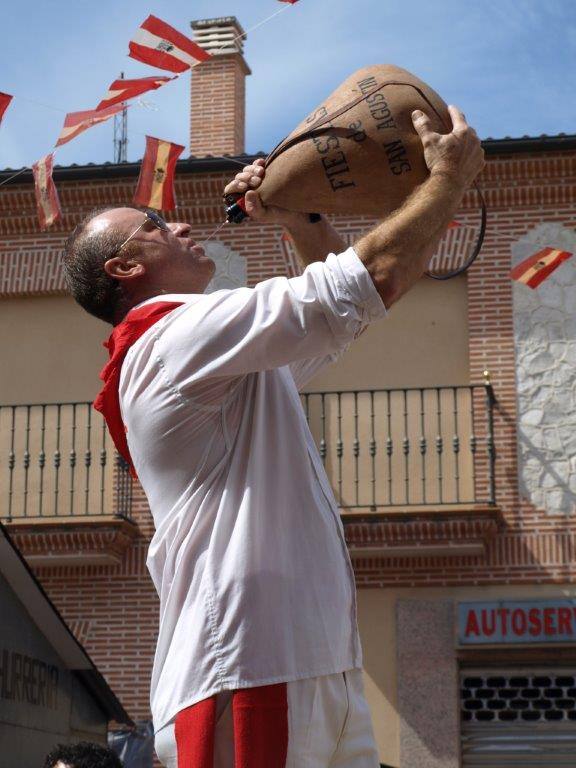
(85, 754)
(118, 257)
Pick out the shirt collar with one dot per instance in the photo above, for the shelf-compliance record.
(183, 298)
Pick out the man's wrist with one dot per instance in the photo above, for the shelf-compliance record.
(298, 220)
(448, 178)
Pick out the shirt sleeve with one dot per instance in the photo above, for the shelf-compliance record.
(276, 323)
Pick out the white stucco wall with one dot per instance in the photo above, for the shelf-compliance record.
(230, 267)
(545, 346)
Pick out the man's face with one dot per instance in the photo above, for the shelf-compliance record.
(173, 261)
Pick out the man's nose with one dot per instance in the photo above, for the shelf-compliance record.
(180, 229)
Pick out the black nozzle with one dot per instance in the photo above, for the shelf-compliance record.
(235, 208)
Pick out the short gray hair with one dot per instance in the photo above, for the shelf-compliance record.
(83, 261)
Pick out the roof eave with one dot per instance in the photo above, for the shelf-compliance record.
(492, 147)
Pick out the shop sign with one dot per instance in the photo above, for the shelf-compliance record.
(507, 622)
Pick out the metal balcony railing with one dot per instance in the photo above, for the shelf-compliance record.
(57, 460)
(381, 448)
(426, 447)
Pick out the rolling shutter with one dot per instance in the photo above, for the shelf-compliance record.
(518, 717)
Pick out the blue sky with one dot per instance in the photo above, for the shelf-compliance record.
(509, 64)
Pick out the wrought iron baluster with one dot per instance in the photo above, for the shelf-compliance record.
(339, 446)
(103, 458)
(42, 461)
(389, 445)
(57, 458)
(456, 443)
(323, 448)
(88, 457)
(120, 485)
(491, 447)
(11, 462)
(307, 407)
(473, 441)
(373, 449)
(73, 459)
(406, 449)
(356, 452)
(26, 461)
(423, 445)
(439, 443)
(130, 487)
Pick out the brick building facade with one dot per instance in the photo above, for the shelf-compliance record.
(419, 560)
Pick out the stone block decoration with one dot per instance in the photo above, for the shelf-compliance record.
(545, 348)
(230, 267)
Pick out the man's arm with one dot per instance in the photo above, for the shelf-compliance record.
(313, 240)
(396, 253)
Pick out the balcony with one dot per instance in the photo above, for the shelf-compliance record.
(65, 493)
(412, 469)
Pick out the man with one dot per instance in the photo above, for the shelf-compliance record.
(82, 755)
(258, 661)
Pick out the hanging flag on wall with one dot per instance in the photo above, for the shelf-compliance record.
(122, 90)
(78, 122)
(160, 45)
(536, 268)
(47, 203)
(5, 100)
(156, 181)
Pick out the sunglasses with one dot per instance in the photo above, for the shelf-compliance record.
(149, 216)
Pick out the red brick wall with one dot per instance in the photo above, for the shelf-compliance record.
(534, 547)
(116, 608)
(217, 115)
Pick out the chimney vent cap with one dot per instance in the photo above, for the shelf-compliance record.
(220, 35)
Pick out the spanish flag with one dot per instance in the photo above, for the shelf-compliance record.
(536, 268)
(156, 181)
(47, 202)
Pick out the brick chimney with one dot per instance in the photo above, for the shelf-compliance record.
(218, 96)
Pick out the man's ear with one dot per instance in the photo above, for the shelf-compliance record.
(123, 269)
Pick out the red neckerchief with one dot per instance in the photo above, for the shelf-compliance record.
(119, 342)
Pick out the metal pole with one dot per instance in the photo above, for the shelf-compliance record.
(490, 400)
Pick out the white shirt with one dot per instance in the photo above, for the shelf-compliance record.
(248, 558)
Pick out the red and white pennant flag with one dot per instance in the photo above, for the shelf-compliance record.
(160, 45)
(536, 268)
(47, 202)
(78, 122)
(5, 100)
(123, 90)
(156, 181)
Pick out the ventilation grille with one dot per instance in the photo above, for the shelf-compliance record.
(222, 35)
(519, 698)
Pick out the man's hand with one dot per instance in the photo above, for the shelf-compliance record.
(246, 182)
(397, 252)
(457, 155)
(313, 241)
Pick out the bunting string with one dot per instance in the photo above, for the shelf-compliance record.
(196, 63)
(155, 43)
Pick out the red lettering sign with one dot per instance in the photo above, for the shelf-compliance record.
(549, 627)
(472, 627)
(519, 621)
